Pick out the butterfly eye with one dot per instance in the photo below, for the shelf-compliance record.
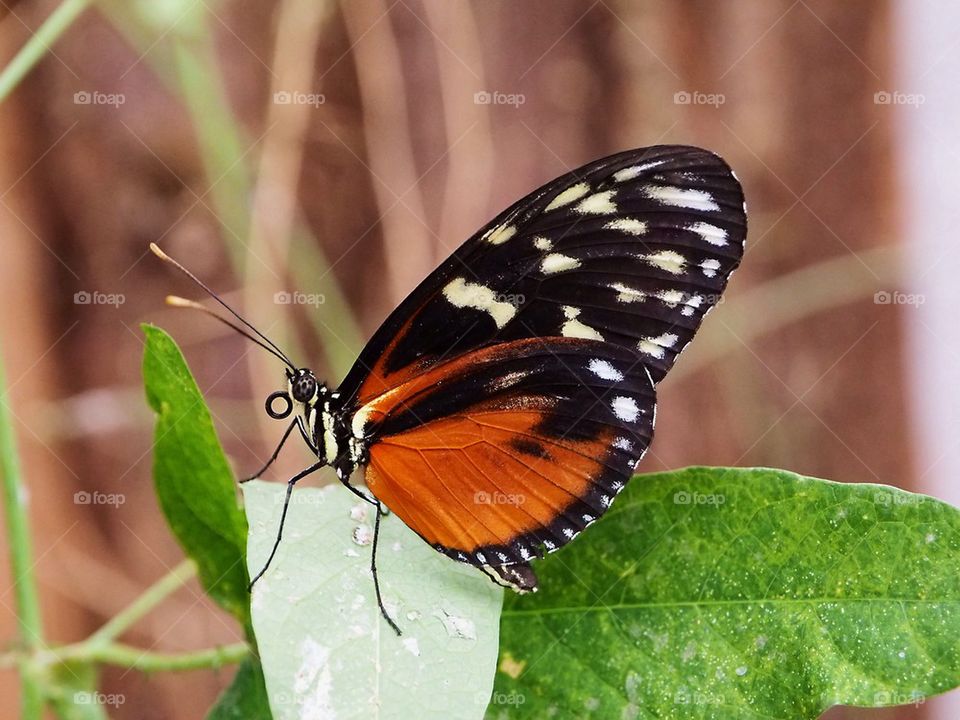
(286, 406)
(304, 388)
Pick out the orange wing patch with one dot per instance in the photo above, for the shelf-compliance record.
(486, 481)
(506, 452)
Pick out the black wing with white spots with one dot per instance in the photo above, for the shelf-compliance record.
(632, 250)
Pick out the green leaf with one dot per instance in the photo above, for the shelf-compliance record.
(325, 649)
(194, 483)
(722, 593)
(246, 698)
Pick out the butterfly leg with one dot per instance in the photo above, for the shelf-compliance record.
(273, 457)
(283, 517)
(373, 569)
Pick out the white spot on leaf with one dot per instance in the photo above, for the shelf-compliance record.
(313, 682)
(456, 627)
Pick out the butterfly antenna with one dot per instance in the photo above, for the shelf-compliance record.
(175, 301)
(263, 341)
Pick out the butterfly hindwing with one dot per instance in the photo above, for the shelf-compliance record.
(510, 451)
(632, 250)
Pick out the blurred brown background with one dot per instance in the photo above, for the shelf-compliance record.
(340, 151)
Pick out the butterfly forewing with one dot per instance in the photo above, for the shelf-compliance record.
(632, 249)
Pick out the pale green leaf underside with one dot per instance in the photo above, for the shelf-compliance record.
(739, 593)
(327, 653)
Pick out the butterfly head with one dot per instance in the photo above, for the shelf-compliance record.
(304, 392)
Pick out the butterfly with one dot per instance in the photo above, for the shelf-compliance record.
(503, 405)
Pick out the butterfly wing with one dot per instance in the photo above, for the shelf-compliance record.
(510, 451)
(632, 249)
(508, 399)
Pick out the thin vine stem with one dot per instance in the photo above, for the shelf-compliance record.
(21, 554)
(39, 44)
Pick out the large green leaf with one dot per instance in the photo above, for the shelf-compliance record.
(326, 652)
(194, 483)
(738, 593)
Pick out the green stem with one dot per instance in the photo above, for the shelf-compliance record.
(135, 658)
(151, 597)
(21, 554)
(39, 44)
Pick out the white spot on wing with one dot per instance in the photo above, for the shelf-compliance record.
(628, 294)
(690, 306)
(501, 234)
(604, 370)
(555, 263)
(598, 204)
(681, 197)
(622, 443)
(574, 192)
(542, 243)
(669, 260)
(625, 408)
(576, 329)
(461, 294)
(657, 346)
(710, 233)
(633, 171)
(671, 298)
(631, 226)
(710, 267)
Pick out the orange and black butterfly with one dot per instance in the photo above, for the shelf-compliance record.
(502, 406)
